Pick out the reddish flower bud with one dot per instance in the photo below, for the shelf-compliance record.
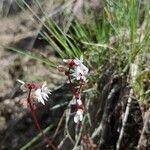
(71, 62)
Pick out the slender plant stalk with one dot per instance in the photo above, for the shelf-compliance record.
(37, 123)
(133, 72)
(72, 88)
(124, 120)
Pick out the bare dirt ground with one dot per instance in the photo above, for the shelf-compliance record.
(14, 66)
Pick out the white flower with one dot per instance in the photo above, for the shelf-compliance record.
(42, 93)
(79, 74)
(80, 70)
(22, 87)
(78, 116)
(79, 63)
(79, 102)
(65, 60)
(75, 101)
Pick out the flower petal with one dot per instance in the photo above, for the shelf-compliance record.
(41, 100)
(79, 102)
(20, 81)
(76, 118)
(22, 87)
(44, 84)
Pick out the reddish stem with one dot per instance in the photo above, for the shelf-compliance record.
(37, 123)
(70, 83)
(74, 91)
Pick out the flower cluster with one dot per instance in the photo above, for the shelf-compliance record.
(79, 107)
(76, 71)
(79, 69)
(39, 92)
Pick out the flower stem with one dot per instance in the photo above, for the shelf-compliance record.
(37, 123)
(73, 90)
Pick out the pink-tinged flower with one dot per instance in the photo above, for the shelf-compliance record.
(39, 92)
(79, 63)
(79, 102)
(79, 74)
(76, 101)
(70, 62)
(78, 116)
(28, 86)
(22, 87)
(73, 101)
(80, 70)
(42, 93)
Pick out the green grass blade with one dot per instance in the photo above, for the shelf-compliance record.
(33, 56)
(35, 139)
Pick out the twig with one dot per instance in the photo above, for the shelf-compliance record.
(124, 120)
(59, 124)
(87, 102)
(66, 125)
(109, 104)
(80, 134)
(66, 129)
(58, 106)
(133, 73)
(62, 142)
(145, 131)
